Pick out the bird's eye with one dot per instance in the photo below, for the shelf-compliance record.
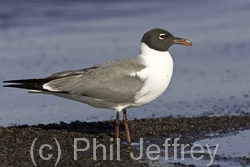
(162, 36)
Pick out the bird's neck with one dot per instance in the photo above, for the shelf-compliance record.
(154, 58)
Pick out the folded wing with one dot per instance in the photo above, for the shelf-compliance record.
(105, 82)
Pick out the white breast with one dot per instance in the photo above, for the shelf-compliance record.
(157, 74)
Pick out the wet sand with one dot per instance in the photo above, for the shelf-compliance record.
(16, 141)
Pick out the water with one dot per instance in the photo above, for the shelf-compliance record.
(39, 38)
(230, 148)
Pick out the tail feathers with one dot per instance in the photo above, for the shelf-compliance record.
(33, 84)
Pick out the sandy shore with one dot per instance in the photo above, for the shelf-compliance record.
(16, 141)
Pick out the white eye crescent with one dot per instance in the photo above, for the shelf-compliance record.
(162, 36)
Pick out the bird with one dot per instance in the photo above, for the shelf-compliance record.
(118, 84)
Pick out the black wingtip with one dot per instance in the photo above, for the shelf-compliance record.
(16, 86)
(35, 84)
(22, 81)
(10, 81)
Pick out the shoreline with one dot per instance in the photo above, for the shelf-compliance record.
(16, 140)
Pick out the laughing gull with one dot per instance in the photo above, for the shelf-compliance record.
(118, 84)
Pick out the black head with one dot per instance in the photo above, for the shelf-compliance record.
(161, 40)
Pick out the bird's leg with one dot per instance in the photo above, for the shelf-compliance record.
(117, 123)
(125, 121)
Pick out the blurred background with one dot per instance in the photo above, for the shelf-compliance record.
(38, 38)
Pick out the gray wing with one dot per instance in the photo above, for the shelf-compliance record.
(107, 82)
